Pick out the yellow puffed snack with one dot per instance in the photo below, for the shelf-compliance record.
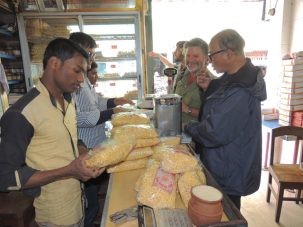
(188, 180)
(129, 118)
(179, 162)
(147, 142)
(161, 150)
(109, 154)
(175, 159)
(128, 165)
(171, 140)
(137, 131)
(138, 153)
(158, 188)
(138, 182)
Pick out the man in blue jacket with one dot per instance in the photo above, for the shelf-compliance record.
(229, 128)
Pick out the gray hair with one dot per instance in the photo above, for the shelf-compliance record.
(197, 42)
(230, 39)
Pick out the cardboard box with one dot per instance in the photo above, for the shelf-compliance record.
(292, 85)
(291, 90)
(291, 102)
(285, 118)
(290, 108)
(293, 68)
(292, 79)
(286, 112)
(291, 96)
(283, 123)
(294, 61)
(297, 119)
(298, 73)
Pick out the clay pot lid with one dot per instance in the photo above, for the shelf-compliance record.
(207, 193)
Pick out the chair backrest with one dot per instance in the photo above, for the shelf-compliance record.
(284, 131)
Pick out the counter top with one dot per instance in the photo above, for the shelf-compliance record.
(121, 195)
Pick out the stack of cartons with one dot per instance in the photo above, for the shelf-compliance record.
(291, 90)
(297, 119)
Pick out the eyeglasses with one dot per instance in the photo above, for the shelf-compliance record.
(91, 55)
(217, 52)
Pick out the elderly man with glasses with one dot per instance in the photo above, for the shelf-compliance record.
(229, 129)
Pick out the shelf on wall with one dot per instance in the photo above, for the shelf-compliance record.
(117, 78)
(7, 56)
(114, 37)
(109, 59)
(13, 81)
(5, 32)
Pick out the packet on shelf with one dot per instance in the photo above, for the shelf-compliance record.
(139, 153)
(157, 188)
(171, 140)
(138, 131)
(188, 180)
(147, 142)
(112, 152)
(175, 159)
(129, 118)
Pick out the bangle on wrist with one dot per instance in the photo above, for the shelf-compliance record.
(189, 111)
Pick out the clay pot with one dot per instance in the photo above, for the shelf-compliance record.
(205, 205)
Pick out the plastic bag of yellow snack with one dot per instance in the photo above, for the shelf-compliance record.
(129, 118)
(110, 153)
(157, 188)
(128, 165)
(139, 153)
(178, 162)
(147, 142)
(162, 150)
(175, 159)
(170, 140)
(138, 131)
(188, 180)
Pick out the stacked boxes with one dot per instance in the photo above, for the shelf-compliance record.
(297, 119)
(291, 91)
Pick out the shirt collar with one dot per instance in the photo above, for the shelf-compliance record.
(43, 90)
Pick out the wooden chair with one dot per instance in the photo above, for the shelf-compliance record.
(286, 176)
(16, 210)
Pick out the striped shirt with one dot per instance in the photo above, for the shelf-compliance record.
(92, 113)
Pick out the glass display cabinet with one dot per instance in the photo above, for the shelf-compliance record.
(118, 54)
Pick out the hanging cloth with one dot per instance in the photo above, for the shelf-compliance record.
(3, 79)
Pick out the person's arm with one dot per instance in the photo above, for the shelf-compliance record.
(15, 174)
(122, 101)
(212, 130)
(82, 148)
(163, 59)
(16, 134)
(190, 110)
(76, 169)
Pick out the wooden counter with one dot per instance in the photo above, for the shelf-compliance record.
(121, 195)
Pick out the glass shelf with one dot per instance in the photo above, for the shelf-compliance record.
(7, 56)
(5, 32)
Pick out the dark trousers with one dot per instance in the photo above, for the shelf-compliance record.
(91, 192)
(92, 188)
(236, 200)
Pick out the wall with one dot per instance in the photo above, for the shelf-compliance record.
(292, 32)
(296, 43)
